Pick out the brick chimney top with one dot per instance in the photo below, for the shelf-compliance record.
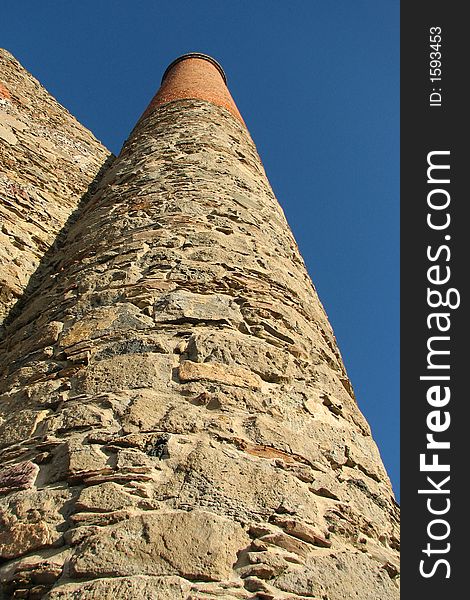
(199, 55)
(195, 75)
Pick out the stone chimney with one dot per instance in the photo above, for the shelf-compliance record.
(48, 162)
(177, 419)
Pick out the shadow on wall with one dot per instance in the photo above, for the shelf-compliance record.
(47, 265)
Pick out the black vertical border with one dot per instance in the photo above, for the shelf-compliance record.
(425, 129)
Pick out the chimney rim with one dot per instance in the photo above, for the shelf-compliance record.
(199, 55)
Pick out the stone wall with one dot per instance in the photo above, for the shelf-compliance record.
(177, 422)
(47, 162)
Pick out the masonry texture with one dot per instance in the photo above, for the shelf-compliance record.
(177, 422)
(47, 162)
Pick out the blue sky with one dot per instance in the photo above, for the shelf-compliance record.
(318, 85)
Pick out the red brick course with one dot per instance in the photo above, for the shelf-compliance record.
(195, 77)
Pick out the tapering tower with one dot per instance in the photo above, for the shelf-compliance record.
(48, 161)
(177, 419)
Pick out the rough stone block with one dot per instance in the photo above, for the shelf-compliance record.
(228, 375)
(20, 476)
(195, 545)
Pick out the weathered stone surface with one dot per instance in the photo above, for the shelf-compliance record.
(30, 520)
(34, 575)
(300, 530)
(227, 481)
(138, 587)
(180, 387)
(20, 426)
(105, 497)
(181, 306)
(230, 348)
(190, 371)
(147, 410)
(20, 476)
(196, 545)
(128, 372)
(341, 576)
(48, 161)
(76, 459)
